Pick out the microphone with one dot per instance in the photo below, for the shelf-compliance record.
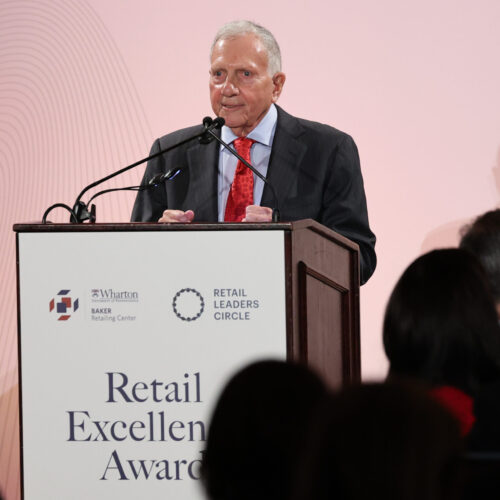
(209, 126)
(220, 122)
(209, 123)
(159, 178)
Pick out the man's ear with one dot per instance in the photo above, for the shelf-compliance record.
(278, 82)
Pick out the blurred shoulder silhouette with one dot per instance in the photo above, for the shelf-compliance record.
(381, 441)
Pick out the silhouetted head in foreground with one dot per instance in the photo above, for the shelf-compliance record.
(257, 431)
(441, 325)
(380, 442)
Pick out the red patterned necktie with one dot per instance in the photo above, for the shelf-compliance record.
(241, 192)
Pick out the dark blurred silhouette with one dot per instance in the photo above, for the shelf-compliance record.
(441, 327)
(381, 441)
(482, 238)
(257, 430)
(481, 476)
(440, 324)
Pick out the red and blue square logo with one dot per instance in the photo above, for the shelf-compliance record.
(64, 305)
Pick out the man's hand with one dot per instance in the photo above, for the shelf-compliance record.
(254, 213)
(177, 216)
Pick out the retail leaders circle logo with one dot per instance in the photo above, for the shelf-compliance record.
(188, 304)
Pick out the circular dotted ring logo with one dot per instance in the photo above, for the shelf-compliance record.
(188, 304)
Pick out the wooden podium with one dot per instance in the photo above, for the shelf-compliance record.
(137, 327)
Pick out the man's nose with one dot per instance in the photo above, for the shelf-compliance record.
(229, 88)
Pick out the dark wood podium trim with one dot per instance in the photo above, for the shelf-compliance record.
(148, 226)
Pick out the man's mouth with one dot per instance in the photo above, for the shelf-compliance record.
(231, 106)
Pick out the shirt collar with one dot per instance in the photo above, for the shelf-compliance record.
(263, 132)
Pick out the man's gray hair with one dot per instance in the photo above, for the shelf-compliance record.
(238, 28)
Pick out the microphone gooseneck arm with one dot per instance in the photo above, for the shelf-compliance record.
(80, 210)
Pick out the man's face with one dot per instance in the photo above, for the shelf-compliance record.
(241, 89)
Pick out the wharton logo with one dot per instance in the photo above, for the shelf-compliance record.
(188, 304)
(112, 295)
(63, 304)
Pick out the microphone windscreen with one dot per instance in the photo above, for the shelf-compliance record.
(219, 122)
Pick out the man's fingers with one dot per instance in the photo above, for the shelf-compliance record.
(177, 216)
(254, 213)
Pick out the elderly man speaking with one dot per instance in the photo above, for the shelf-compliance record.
(314, 168)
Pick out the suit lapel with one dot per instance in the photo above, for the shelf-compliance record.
(286, 157)
(203, 162)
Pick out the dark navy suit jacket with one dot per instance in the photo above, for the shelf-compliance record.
(314, 169)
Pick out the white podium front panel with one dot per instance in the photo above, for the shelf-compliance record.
(126, 339)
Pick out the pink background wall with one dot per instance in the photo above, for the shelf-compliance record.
(85, 87)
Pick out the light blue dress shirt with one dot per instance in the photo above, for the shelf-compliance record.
(260, 153)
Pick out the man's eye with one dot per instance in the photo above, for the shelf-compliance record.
(246, 73)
